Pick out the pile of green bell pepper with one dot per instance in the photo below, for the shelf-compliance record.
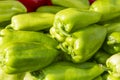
(67, 40)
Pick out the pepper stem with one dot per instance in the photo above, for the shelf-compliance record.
(63, 31)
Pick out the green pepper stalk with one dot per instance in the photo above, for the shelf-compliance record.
(27, 56)
(83, 44)
(101, 56)
(10, 35)
(9, 9)
(34, 21)
(112, 43)
(70, 20)
(50, 9)
(79, 4)
(70, 71)
(108, 8)
(113, 63)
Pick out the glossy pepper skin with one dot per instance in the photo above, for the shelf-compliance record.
(70, 20)
(79, 4)
(10, 35)
(34, 21)
(83, 44)
(27, 56)
(108, 8)
(70, 71)
(113, 64)
(9, 9)
(50, 9)
(112, 43)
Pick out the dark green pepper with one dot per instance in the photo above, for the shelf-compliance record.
(70, 71)
(34, 21)
(83, 44)
(79, 4)
(50, 9)
(101, 56)
(70, 20)
(9, 9)
(10, 35)
(4, 24)
(27, 56)
(112, 43)
(108, 8)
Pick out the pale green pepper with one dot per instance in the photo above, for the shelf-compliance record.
(19, 57)
(79, 4)
(9, 9)
(108, 8)
(83, 44)
(10, 35)
(50, 9)
(70, 20)
(33, 21)
(70, 71)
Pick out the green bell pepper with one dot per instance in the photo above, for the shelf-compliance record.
(70, 20)
(9, 9)
(83, 44)
(10, 35)
(112, 43)
(70, 71)
(50, 9)
(27, 56)
(79, 4)
(101, 56)
(34, 21)
(113, 65)
(108, 8)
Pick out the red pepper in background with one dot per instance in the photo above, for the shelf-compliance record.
(91, 1)
(32, 5)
